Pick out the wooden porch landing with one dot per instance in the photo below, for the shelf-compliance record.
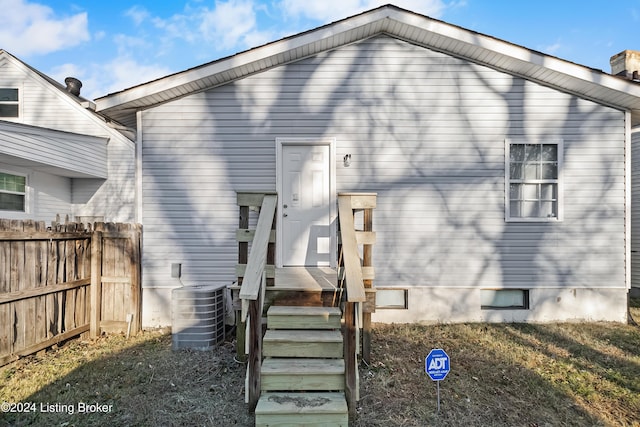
(305, 279)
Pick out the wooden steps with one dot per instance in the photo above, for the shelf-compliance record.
(284, 317)
(302, 409)
(302, 376)
(302, 343)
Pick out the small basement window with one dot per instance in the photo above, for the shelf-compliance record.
(9, 105)
(504, 299)
(392, 298)
(13, 190)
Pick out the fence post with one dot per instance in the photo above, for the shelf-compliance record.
(136, 285)
(96, 284)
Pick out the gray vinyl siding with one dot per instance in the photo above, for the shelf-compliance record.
(426, 131)
(114, 198)
(52, 196)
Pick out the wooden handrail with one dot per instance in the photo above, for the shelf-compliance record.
(353, 280)
(252, 294)
(250, 289)
(352, 264)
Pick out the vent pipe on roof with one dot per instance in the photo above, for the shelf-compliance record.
(73, 85)
(626, 64)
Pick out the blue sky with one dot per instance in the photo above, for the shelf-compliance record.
(113, 45)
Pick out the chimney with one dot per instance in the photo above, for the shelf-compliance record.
(73, 85)
(626, 64)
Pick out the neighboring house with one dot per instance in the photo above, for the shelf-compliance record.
(57, 156)
(502, 174)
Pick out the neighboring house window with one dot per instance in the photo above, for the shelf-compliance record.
(9, 105)
(533, 181)
(12, 192)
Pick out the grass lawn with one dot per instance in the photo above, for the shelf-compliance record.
(570, 374)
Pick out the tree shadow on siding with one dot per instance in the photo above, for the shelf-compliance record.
(419, 137)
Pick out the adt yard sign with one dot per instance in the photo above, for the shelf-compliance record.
(437, 364)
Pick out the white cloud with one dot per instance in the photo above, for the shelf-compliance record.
(101, 79)
(127, 44)
(123, 73)
(138, 14)
(331, 10)
(230, 23)
(61, 72)
(32, 28)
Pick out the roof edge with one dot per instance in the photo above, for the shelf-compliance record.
(386, 16)
(244, 57)
(39, 130)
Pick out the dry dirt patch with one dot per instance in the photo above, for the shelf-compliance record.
(501, 375)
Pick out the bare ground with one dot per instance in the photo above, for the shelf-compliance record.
(501, 375)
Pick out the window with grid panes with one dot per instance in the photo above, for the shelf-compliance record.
(12, 192)
(533, 177)
(9, 106)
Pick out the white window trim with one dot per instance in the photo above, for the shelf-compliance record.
(507, 179)
(27, 194)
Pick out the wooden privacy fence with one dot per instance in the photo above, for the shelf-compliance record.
(65, 280)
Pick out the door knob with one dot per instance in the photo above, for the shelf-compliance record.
(285, 206)
(285, 215)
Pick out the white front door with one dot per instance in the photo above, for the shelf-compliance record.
(305, 205)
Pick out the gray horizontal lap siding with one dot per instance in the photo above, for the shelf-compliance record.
(114, 199)
(426, 132)
(51, 196)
